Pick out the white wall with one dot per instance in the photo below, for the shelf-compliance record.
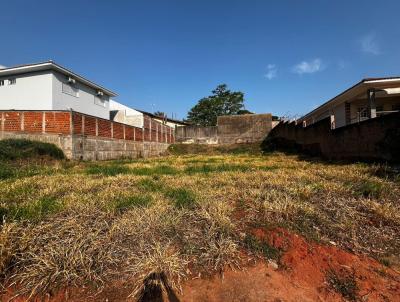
(127, 115)
(340, 115)
(84, 103)
(30, 92)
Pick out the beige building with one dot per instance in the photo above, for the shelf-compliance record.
(367, 99)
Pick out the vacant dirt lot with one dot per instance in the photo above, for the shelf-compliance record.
(212, 227)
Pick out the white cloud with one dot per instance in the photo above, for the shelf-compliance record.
(308, 66)
(2, 66)
(272, 71)
(370, 45)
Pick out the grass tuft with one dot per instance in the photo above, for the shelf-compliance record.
(33, 211)
(107, 170)
(182, 198)
(123, 204)
(257, 246)
(344, 283)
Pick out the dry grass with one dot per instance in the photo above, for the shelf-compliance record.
(169, 218)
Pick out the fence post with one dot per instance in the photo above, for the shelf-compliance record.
(2, 124)
(71, 122)
(44, 122)
(22, 121)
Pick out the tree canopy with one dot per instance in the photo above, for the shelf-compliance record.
(221, 102)
(160, 113)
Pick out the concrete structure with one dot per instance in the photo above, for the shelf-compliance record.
(372, 139)
(165, 120)
(87, 137)
(231, 129)
(49, 86)
(124, 114)
(367, 99)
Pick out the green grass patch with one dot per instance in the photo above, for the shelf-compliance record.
(125, 203)
(368, 189)
(107, 170)
(10, 171)
(204, 169)
(183, 198)
(150, 185)
(157, 170)
(33, 211)
(12, 149)
(6, 171)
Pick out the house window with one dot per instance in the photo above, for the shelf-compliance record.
(12, 81)
(396, 107)
(69, 89)
(1, 82)
(99, 100)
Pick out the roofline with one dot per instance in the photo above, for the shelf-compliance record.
(50, 65)
(363, 82)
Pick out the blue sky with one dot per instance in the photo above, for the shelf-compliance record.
(286, 56)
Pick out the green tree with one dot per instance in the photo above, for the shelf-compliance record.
(244, 111)
(221, 102)
(159, 113)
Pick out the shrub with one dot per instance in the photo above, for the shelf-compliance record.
(12, 149)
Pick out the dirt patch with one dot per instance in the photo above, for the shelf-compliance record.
(305, 272)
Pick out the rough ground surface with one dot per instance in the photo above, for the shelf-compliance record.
(300, 275)
(231, 226)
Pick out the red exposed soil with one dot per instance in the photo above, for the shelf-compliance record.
(301, 275)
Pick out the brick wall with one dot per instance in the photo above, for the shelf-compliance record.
(62, 122)
(118, 130)
(33, 121)
(12, 121)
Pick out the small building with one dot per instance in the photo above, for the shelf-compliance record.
(165, 120)
(126, 115)
(369, 98)
(135, 117)
(49, 86)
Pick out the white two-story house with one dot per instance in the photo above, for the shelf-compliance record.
(49, 86)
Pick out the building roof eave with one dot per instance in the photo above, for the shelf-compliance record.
(354, 91)
(50, 65)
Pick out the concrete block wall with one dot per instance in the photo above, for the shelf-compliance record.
(372, 139)
(86, 137)
(246, 128)
(232, 129)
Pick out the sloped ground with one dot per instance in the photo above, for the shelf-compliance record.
(275, 226)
